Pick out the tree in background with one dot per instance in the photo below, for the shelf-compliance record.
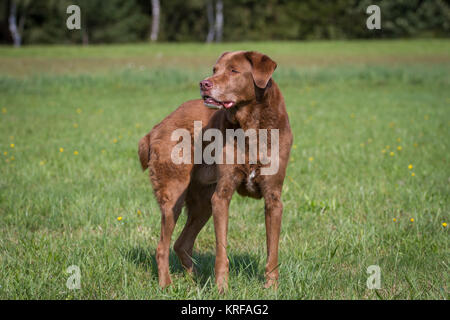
(215, 23)
(211, 24)
(101, 21)
(112, 21)
(17, 12)
(219, 20)
(407, 18)
(155, 20)
(15, 34)
(199, 20)
(183, 20)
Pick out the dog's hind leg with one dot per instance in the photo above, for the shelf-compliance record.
(170, 194)
(198, 203)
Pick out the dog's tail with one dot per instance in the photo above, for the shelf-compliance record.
(144, 151)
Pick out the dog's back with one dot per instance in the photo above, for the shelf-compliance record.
(158, 140)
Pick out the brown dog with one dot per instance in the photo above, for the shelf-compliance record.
(239, 95)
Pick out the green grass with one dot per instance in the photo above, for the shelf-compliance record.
(348, 101)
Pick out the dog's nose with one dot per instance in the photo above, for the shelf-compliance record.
(205, 85)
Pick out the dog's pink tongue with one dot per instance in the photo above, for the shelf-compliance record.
(228, 104)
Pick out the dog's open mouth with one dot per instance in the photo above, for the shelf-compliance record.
(215, 104)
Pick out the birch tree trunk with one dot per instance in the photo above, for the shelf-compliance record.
(155, 20)
(85, 36)
(219, 20)
(15, 34)
(211, 26)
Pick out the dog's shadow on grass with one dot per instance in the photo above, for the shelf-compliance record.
(240, 263)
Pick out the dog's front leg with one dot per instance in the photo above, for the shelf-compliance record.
(273, 214)
(220, 203)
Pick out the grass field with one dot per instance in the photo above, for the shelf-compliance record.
(371, 123)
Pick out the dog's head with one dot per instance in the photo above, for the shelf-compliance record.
(237, 78)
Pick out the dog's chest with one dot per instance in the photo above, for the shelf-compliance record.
(250, 184)
(250, 181)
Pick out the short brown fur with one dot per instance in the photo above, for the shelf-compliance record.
(246, 79)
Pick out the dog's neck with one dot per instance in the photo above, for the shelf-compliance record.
(261, 113)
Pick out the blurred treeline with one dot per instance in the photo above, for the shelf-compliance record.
(107, 21)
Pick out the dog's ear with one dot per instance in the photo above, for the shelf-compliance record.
(262, 68)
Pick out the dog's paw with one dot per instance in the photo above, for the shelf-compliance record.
(165, 281)
(271, 283)
(222, 284)
(222, 288)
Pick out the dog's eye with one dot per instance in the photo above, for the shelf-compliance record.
(234, 71)
(214, 70)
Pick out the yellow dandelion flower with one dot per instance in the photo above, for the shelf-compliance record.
(119, 218)
(395, 220)
(12, 158)
(75, 152)
(415, 145)
(444, 224)
(413, 174)
(410, 166)
(115, 141)
(12, 145)
(391, 154)
(75, 125)
(4, 110)
(399, 148)
(292, 159)
(387, 147)
(41, 163)
(61, 149)
(5, 153)
(383, 151)
(412, 219)
(311, 158)
(362, 144)
(294, 146)
(79, 110)
(352, 116)
(139, 212)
